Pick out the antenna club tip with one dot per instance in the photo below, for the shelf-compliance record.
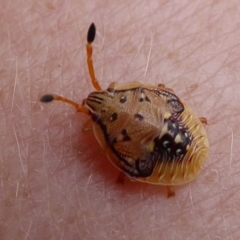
(91, 33)
(47, 98)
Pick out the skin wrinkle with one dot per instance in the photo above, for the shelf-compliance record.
(231, 151)
(194, 50)
(47, 183)
(27, 233)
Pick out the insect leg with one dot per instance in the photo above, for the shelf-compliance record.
(51, 97)
(203, 120)
(90, 38)
(162, 86)
(170, 192)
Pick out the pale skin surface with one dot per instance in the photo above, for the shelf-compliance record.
(55, 181)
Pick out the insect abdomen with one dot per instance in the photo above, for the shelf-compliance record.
(180, 165)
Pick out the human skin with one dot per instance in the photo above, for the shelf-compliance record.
(56, 182)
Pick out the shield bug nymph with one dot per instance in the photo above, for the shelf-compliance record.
(146, 131)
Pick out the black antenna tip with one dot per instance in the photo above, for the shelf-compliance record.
(91, 33)
(47, 98)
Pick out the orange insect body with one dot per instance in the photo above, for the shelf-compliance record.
(146, 131)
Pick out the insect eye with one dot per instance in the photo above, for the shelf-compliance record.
(95, 117)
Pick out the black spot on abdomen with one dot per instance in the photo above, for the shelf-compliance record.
(114, 117)
(138, 116)
(123, 99)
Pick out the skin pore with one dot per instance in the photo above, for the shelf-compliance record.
(56, 182)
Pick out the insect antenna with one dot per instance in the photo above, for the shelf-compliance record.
(90, 38)
(50, 97)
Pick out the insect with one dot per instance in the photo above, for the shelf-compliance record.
(146, 131)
